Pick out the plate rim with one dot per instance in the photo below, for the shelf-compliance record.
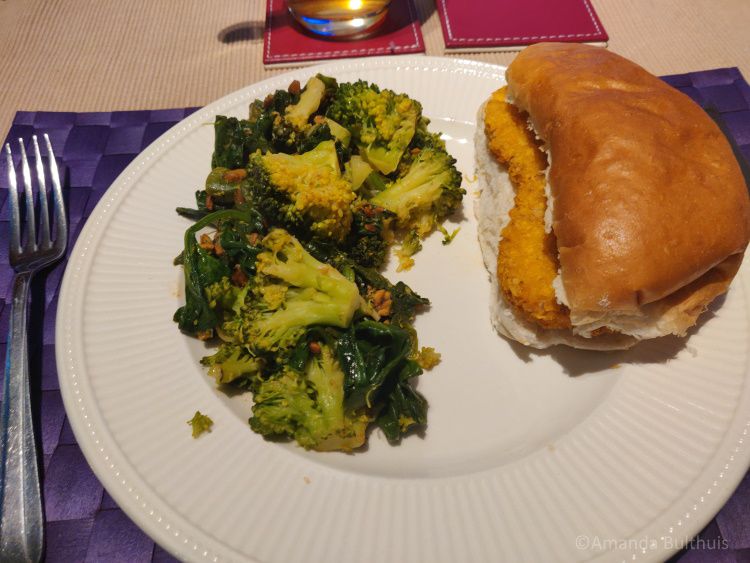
(80, 263)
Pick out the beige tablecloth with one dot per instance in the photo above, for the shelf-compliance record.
(89, 55)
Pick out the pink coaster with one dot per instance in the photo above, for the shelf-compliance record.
(508, 25)
(287, 44)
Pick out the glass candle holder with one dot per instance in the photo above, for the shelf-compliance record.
(342, 19)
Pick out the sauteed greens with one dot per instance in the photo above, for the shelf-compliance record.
(281, 266)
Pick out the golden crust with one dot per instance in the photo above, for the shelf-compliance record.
(647, 193)
(680, 310)
(527, 256)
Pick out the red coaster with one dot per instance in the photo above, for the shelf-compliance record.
(287, 44)
(508, 25)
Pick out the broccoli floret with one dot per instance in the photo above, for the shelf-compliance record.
(291, 292)
(222, 294)
(404, 302)
(423, 138)
(309, 406)
(429, 190)
(356, 171)
(382, 123)
(230, 363)
(410, 245)
(319, 132)
(312, 97)
(339, 132)
(291, 127)
(200, 423)
(427, 357)
(303, 193)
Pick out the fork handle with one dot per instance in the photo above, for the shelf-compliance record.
(21, 522)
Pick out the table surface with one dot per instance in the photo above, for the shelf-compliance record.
(101, 55)
(105, 55)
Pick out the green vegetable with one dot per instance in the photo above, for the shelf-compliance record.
(309, 406)
(340, 133)
(222, 184)
(303, 193)
(315, 91)
(410, 245)
(235, 139)
(292, 128)
(405, 302)
(232, 363)
(427, 357)
(291, 291)
(304, 198)
(343, 386)
(448, 237)
(200, 424)
(428, 191)
(404, 409)
(375, 358)
(370, 352)
(202, 269)
(382, 123)
(423, 138)
(366, 244)
(200, 210)
(357, 171)
(375, 183)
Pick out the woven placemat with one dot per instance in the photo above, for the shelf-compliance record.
(83, 523)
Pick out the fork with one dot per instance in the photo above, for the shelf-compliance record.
(21, 520)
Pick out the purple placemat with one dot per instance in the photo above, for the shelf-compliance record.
(83, 522)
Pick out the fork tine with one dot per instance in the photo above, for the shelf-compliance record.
(44, 240)
(15, 219)
(61, 221)
(29, 196)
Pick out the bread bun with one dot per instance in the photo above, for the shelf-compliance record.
(648, 204)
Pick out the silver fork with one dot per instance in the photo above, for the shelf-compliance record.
(21, 521)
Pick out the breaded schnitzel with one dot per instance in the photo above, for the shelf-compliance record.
(527, 257)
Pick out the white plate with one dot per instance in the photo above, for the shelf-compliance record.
(560, 455)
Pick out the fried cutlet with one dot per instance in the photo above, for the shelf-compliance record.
(527, 260)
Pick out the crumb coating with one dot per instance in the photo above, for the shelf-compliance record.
(527, 256)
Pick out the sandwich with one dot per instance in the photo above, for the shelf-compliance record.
(612, 208)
